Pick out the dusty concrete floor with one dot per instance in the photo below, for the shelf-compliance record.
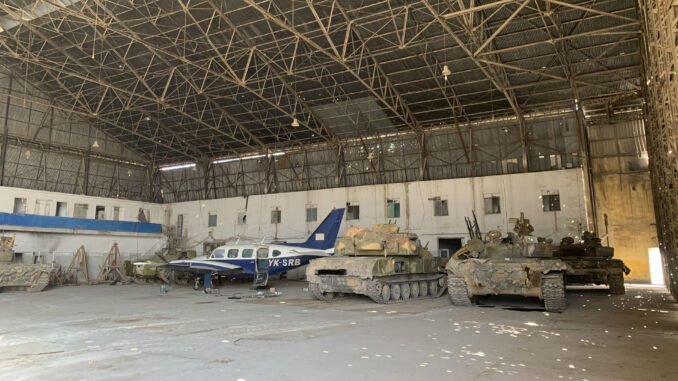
(131, 332)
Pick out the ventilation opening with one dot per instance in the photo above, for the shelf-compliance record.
(656, 267)
(332, 272)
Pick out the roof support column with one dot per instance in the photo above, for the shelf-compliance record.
(5, 135)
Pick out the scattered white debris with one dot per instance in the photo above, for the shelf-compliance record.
(224, 341)
(571, 366)
(531, 323)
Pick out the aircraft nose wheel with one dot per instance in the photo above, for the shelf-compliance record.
(196, 285)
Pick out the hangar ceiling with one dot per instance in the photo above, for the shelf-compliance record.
(200, 80)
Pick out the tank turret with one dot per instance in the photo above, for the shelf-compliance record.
(383, 263)
(382, 240)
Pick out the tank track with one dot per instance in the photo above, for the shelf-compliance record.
(458, 292)
(314, 288)
(616, 282)
(43, 281)
(553, 292)
(375, 290)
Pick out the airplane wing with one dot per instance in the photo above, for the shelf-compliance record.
(203, 266)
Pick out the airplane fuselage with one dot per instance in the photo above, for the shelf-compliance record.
(280, 258)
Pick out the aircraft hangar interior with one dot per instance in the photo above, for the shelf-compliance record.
(338, 189)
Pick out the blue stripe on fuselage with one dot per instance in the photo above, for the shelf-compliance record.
(275, 265)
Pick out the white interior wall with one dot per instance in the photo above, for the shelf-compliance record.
(60, 247)
(518, 192)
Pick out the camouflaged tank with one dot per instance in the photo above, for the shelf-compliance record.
(592, 263)
(150, 270)
(19, 276)
(384, 264)
(519, 264)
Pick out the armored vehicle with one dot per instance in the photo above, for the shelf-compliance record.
(519, 264)
(19, 276)
(386, 265)
(591, 263)
(149, 271)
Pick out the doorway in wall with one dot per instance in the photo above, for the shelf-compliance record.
(656, 267)
(448, 246)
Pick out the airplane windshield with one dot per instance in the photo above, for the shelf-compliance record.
(218, 253)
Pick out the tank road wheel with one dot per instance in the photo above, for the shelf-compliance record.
(405, 291)
(456, 288)
(385, 293)
(40, 285)
(616, 282)
(395, 292)
(553, 292)
(423, 289)
(314, 288)
(414, 290)
(433, 288)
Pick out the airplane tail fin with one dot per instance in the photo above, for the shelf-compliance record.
(325, 235)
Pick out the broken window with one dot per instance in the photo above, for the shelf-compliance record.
(100, 212)
(276, 216)
(180, 225)
(352, 211)
(492, 204)
(211, 220)
(242, 218)
(80, 210)
(61, 209)
(392, 209)
(19, 205)
(311, 213)
(116, 213)
(550, 202)
(440, 208)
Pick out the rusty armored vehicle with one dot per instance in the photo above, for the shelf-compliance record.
(19, 276)
(519, 264)
(592, 263)
(384, 264)
(151, 270)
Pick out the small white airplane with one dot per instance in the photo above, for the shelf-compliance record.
(258, 261)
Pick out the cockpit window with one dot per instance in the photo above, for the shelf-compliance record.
(233, 253)
(247, 253)
(218, 253)
(276, 253)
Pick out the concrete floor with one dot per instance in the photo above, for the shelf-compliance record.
(130, 332)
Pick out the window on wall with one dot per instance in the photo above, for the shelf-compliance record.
(116, 213)
(211, 220)
(311, 213)
(100, 212)
(144, 215)
(440, 208)
(180, 225)
(61, 209)
(242, 218)
(352, 211)
(276, 216)
(80, 210)
(19, 205)
(550, 202)
(392, 209)
(492, 204)
(42, 207)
